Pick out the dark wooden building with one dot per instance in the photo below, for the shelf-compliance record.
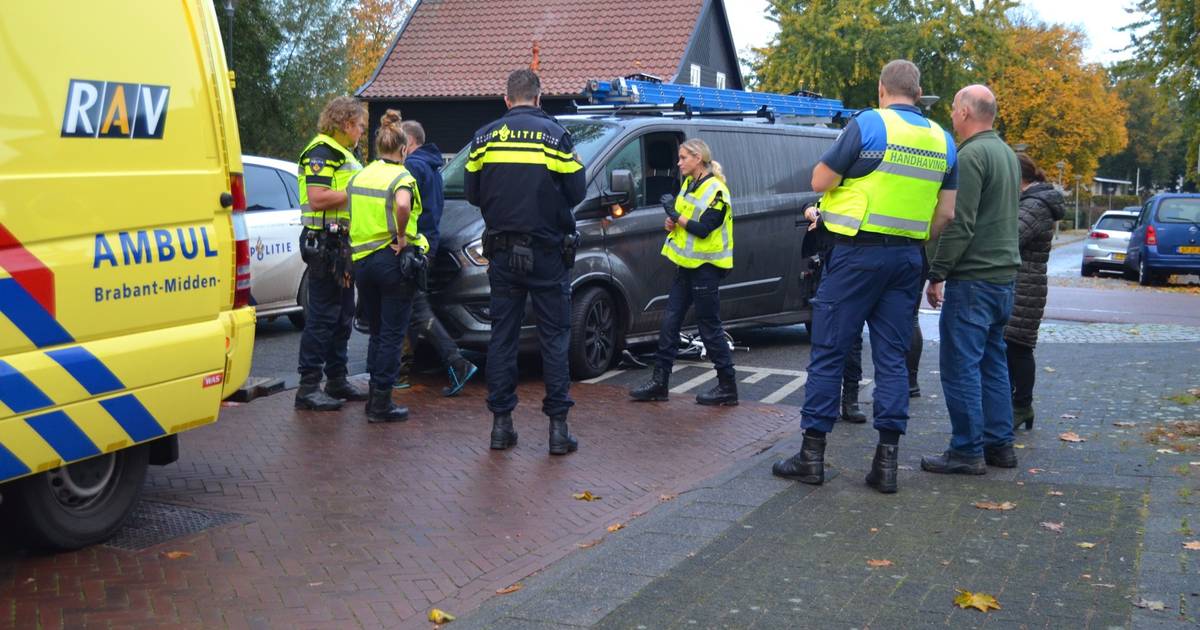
(448, 64)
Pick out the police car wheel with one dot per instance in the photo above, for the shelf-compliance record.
(80, 504)
(594, 338)
(297, 318)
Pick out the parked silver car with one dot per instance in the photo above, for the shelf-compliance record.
(273, 221)
(1105, 245)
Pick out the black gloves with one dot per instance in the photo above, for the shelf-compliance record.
(668, 204)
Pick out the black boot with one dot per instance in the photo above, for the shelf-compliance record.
(310, 396)
(807, 466)
(345, 390)
(561, 440)
(503, 434)
(952, 463)
(724, 393)
(851, 412)
(381, 407)
(883, 468)
(654, 389)
(460, 371)
(1000, 456)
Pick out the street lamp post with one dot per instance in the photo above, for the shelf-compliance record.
(1061, 166)
(1077, 179)
(229, 33)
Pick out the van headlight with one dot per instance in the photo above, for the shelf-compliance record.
(474, 253)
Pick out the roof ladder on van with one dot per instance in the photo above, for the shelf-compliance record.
(634, 96)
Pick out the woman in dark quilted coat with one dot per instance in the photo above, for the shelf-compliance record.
(1041, 206)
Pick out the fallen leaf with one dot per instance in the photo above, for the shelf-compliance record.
(1054, 527)
(588, 544)
(177, 555)
(637, 515)
(1018, 446)
(1086, 576)
(1124, 424)
(315, 584)
(1194, 545)
(981, 601)
(1149, 604)
(1195, 391)
(992, 505)
(879, 563)
(945, 563)
(438, 615)
(1050, 369)
(615, 526)
(1085, 545)
(666, 497)
(1034, 471)
(874, 530)
(1070, 436)
(511, 589)
(1069, 416)
(1055, 493)
(1166, 451)
(586, 495)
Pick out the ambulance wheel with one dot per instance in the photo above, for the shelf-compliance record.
(80, 504)
(297, 318)
(594, 342)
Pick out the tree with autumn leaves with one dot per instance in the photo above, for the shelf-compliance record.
(1051, 100)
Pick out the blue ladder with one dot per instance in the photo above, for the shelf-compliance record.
(639, 94)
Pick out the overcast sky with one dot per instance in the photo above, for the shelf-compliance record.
(1100, 21)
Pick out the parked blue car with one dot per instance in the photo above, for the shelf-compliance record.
(1165, 239)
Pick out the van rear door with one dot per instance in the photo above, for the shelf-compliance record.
(117, 254)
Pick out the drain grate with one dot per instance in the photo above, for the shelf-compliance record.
(153, 523)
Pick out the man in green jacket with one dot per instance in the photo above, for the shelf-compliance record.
(971, 277)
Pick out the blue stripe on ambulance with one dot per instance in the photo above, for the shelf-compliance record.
(63, 435)
(29, 316)
(95, 377)
(19, 393)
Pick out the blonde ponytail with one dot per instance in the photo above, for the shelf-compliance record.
(717, 171)
(389, 138)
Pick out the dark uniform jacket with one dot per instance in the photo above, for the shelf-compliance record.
(523, 175)
(1041, 206)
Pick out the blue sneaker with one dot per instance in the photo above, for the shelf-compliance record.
(460, 372)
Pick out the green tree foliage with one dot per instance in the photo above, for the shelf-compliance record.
(837, 47)
(1157, 143)
(1167, 51)
(289, 58)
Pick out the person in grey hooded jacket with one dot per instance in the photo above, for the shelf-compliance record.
(1041, 205)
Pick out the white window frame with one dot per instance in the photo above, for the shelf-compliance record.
(720, 80)
(695, 75)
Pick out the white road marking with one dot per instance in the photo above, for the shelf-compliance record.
(786, 390)
(708, 375)
(756, 376)
(604, 377)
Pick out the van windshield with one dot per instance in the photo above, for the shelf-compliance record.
(589, 135)
(1179, 210)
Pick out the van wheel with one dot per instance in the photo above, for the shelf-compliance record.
(297, 318)
(593, 333)
(79, 504)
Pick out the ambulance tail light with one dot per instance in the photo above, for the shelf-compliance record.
(241, 236)
(1151, 235)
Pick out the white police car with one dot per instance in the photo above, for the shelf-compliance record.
(273, 221)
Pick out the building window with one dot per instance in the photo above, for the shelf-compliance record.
(695, 75)
(721, 80)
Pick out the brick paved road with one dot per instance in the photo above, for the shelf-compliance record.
(350, 524)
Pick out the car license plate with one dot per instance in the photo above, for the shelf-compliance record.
(1189, 250)
(1118, 256)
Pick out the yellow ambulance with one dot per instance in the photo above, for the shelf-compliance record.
(124, 259)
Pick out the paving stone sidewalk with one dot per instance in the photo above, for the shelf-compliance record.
(746, 550)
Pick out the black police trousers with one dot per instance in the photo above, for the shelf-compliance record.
(327, 324)
(699, 287)
(549, 287)
(387, 304)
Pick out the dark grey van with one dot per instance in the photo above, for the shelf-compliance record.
(620, 280)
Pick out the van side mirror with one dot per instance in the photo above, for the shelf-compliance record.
(620, 189)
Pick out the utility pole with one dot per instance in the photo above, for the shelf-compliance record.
(1137, 187)
(1077, 179)
(229, 34)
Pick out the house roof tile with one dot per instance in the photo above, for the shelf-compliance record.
(467, 48)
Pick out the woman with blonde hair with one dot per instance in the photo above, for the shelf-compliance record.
(388, 253)
(326, 165)
(700, 244)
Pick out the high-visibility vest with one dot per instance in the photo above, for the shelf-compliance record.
(900, 195)
(371, 203)
(317, 219)
(682, 247)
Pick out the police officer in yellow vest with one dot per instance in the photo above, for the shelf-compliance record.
(700, 243)
(325, 167)
(388, 255)
(889, 182)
